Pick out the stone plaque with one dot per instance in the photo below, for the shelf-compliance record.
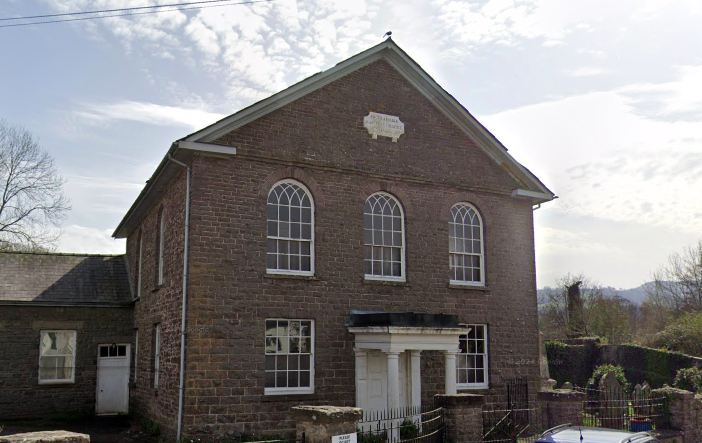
(383, 125)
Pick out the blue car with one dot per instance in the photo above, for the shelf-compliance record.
(580, 434)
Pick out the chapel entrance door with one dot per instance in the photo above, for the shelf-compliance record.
(377, 386)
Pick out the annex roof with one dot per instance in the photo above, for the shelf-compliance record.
(55, 279)
(530, 187)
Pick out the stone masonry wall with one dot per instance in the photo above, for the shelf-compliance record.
(21, 396)
(159, 305)
(320, 141)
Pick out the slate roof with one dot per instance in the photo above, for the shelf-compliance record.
(63, 279)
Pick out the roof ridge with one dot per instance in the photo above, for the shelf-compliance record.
(69, 254)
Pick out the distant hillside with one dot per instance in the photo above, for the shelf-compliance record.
(636, 295)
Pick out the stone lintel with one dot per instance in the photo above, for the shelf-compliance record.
(449, 400)
(326, 414)
(46, 437)
(561, 395)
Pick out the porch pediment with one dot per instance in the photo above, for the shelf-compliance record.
(401, 331)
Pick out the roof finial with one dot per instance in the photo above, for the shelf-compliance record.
(388, 35)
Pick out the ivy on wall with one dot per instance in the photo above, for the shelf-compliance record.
(575, 363)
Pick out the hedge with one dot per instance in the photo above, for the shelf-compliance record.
(575, 363)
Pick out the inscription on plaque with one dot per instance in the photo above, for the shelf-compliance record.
(383, 125)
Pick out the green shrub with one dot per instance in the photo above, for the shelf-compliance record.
(689, 379)
(682, 335)
(370, 437)
(150, 428)
(601, 370)
(408, 430)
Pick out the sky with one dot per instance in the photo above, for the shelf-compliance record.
(602, 100)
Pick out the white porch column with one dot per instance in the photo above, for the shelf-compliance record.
(450, 382)
(393, 379)
(361, 377)
(416, 378)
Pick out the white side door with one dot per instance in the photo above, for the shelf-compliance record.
(113, 379)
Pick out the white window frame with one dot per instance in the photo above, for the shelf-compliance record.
(75, 352)
(140, 257)
(299, 390)
(157, 354)
(486, 382)
(403, 275)
(312, 219)
(482, 249)
(161, 245)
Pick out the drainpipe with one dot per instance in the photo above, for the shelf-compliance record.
(181, 391)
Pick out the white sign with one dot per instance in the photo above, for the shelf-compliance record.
(384, 125)
(346, 438)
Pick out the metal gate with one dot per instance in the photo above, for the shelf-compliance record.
(512, 421)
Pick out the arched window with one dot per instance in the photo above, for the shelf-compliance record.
(466, 245)
(384, 238)
(290, 229)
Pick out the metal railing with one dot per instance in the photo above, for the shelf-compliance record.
(628, 412)
(512, 425)
(409, 424)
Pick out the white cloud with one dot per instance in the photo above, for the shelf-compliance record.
(587, 71)
(551, 240)
(81, 239)
(607, 161)
(147, 113)
(680, 99)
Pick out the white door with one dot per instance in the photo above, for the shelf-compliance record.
(113, 379)
(377, 381)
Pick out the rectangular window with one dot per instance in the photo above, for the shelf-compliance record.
(136, 353)
(157, 353)
(289, 356)
(472, 358)
(161, 245)
(57, 357)
(140, 257)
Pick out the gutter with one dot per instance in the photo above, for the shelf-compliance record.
(181, 390)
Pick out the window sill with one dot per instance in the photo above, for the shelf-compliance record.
(290, 397)
(56, 384)
(469, 287)
(157, 287)
(484, 389)
(374, 281)
(291, 277)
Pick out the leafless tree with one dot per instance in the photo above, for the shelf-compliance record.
(677, 285)
(32, 204)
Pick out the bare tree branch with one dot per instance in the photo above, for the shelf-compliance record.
(677, 285)
(32, 204)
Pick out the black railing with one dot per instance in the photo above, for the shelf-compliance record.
(512, 425)
(408, 424)
(628, 412)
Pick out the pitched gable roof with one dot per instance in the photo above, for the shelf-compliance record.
(64, 279)
(412, 72)
(530, 187)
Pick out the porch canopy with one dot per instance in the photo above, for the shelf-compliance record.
(394, 333)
